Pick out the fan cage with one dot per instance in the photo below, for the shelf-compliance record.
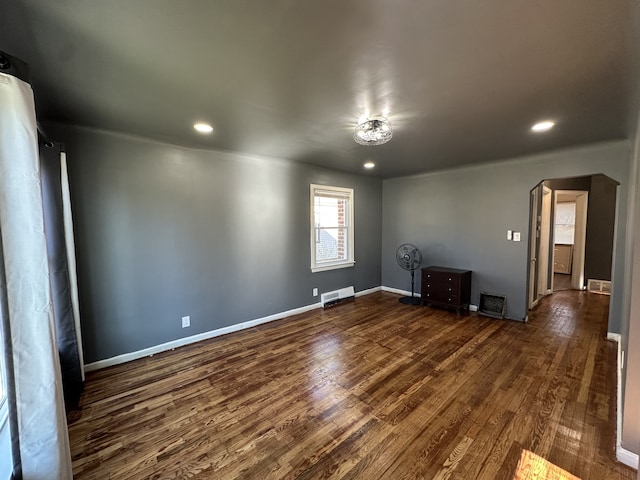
(408, 257)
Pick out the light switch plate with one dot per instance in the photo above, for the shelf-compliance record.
(509, 234)
(516, 236)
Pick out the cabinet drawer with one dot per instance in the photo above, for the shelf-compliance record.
(441, 289)
(442, 298)
(443, 278)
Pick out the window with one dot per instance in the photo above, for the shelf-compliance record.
(331, 228)
(565, 222)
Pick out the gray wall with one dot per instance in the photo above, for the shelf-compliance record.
(459, 218)
(164, 231)
(600, 228)
(631, 330)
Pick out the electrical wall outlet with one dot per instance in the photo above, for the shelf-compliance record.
(186, 321)
(516, 236)
(315, 292)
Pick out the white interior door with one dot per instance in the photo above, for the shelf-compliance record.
(580, 235)
(544, 243)
(534, 236)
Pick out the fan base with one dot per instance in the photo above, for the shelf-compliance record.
(411, 300)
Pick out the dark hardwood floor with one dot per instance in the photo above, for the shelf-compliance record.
(371, 389)
(561, 281)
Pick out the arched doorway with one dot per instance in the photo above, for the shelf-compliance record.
(593, 249)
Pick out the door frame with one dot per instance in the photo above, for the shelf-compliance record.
(540, 240)
(534, 238)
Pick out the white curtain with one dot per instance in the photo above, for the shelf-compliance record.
(42, 430)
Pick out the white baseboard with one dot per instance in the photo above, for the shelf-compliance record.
(616, 337)
(622, 454)
(369, 291)
(163, 347)
(398, 291)
(630, 459)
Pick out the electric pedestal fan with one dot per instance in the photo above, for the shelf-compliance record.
(409, 258)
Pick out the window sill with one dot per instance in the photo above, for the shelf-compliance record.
(333, 266)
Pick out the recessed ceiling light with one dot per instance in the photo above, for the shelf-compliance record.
(369, 165)
(203, 127)
(543, 126)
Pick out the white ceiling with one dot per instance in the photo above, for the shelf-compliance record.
(461, 81)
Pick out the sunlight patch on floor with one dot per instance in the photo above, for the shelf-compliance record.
(534, 467)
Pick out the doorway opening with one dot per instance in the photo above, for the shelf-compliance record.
(572, 222)
(569, 234)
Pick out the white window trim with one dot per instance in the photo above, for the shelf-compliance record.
(6, 460)
(3, 399)
(350, 261)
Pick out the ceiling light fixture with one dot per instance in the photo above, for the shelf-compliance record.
(369, 165)
(544, 126)
(203, 127)
(374, 131)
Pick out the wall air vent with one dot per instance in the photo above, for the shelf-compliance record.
(602, 287)
(329, 299)
(492, 305)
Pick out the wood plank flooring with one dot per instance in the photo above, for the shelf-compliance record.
(371, 389)
(561, 281)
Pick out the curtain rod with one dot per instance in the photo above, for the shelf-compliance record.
(44, 137)
(19, 69)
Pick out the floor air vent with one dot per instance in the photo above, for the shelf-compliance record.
(492, 305)
(331, 298)
(599, 286)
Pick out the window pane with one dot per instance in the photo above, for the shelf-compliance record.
(331, 244)
(330, 212)
(565, 223)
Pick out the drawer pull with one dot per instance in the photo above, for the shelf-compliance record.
(449, 278)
